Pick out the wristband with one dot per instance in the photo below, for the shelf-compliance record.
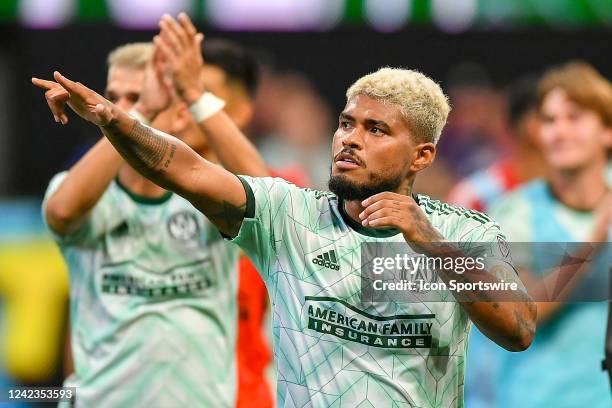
(139, 116)
(206, 106)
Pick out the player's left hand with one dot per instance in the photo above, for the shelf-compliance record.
(83, 101)
(392, 210)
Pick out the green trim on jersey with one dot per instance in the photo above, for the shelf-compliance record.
(370, 232)
(250, 197)
(432, 206)
(142, 199)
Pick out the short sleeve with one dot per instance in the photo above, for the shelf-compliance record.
(266, 209)
(90, 227)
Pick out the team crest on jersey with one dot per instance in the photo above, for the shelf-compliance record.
(183, 226)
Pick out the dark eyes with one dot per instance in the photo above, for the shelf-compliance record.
(376, 131)
(132, 97)
(345, 124)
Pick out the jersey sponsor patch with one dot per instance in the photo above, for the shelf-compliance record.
(336, 317)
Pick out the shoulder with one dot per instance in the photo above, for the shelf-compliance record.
(456, 223)
(275, 188)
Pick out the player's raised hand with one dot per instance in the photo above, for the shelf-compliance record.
(86, 103)
(392, 210)
(180, 44)
(157, 89)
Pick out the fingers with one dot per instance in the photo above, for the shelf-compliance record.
(381, 213)
(380, 204)
(187, 25)
(175, 34)
(56, 99)
(386, 195)
(73, 88)
(44, 84)
(385, 222)
(164, 47)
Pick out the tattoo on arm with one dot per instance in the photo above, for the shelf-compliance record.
(150, 147)
(229, 217)
(144, 148)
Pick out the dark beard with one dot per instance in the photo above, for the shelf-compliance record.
(350, 191)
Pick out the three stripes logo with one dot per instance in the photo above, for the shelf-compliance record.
(328, 260)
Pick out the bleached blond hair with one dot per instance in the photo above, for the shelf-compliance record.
(133, 55)
(421, 101)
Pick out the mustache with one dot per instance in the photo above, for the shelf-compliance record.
(351, 152)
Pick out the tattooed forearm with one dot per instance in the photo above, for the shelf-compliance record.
(143, 147)
(150, 147)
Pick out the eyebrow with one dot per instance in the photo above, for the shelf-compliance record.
(377, 123)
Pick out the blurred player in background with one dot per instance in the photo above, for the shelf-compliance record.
(563, 366)
(153, 284)
(482, 188)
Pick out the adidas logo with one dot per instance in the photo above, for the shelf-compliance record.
(328, 260)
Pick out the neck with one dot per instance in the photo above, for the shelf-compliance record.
(138, 184)
(581, 189)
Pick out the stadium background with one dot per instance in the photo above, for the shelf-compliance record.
(311, 50)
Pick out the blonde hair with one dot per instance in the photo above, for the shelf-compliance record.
(133, 55)
(421, 101)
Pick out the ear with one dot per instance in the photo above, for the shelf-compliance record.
(424, 155)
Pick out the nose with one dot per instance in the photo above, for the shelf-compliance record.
(353, 139)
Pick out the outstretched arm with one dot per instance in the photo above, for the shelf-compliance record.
(162, 158)
(69, 206)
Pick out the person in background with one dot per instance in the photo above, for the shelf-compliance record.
(483, 187)
(150, 279)
(573, 204)
(232, 73)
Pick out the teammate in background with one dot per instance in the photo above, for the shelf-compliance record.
(382, 142)
(563, 366)
(153, 284)
(231, 73)
(482, 188)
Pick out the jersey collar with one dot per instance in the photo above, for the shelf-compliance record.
(357, 227)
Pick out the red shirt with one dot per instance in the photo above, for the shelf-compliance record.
(252, 349)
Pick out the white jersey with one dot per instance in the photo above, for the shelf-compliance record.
(153, 289)
(331, 348)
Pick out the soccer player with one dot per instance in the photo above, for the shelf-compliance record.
(153, 284)
(563, 366)
(386, 135)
